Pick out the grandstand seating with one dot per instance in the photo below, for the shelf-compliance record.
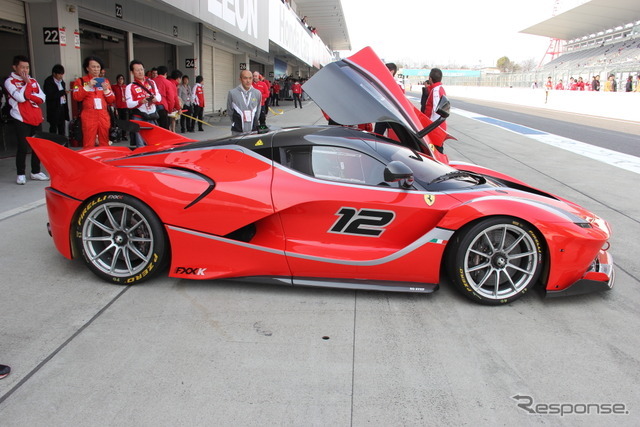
(622, 55)
(615, 51)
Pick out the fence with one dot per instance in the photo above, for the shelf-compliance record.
(515, 80)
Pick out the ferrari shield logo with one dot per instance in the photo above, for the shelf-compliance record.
(430, 199)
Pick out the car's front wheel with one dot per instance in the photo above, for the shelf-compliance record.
(496, 260)
(122, 239)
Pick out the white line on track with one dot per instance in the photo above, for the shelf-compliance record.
(604, 155)
(21, 209)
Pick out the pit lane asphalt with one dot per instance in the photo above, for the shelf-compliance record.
(619, 135)
(179, 352)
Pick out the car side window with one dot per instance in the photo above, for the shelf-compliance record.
(345, 165)
(269, 153)
(335, 164)
(298, 159)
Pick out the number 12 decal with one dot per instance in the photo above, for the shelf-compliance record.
(363, 222)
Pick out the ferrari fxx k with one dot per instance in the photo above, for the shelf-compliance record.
(325, 206)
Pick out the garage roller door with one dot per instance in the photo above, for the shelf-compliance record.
(207, 75)
(12, 10)
(224, 78)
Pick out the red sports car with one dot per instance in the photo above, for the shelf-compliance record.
(321, 206)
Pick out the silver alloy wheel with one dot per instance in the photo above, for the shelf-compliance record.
(501, 261)
(117, 239)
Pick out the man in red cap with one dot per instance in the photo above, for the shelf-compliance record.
(258, 83)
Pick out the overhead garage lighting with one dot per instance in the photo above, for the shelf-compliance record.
(101, 33)
(12, 30)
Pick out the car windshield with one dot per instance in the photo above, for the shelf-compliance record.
(425, 171)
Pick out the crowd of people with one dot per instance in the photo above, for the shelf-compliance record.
(303, 20)
(610, 85)
(154, 96)
(93, 106)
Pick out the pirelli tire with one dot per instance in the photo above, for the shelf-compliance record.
(496, 260)
(121, 239)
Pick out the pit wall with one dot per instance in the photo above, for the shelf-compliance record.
(614, 105)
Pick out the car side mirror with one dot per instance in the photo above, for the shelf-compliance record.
(127, 126)
(444, 107)
(398, 171)
(54, 137)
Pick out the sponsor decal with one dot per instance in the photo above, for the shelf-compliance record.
(89, 206)
(194, 271)
(144, 272)
(242, 14)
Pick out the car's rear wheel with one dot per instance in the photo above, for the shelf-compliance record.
(122, 239)
(496, 260)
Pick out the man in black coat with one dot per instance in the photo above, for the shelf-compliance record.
(57, 101)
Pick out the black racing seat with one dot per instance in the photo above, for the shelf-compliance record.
(300, 160)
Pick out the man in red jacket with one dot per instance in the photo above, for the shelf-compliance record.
(197, 95)
(573, 84)
(174, 110)
(95, 95)
(268, 100)
(168, 97)
(436, 91)
(142, 96)
(25, 96)
(275, 96)
(296, 89)
(258, 83)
